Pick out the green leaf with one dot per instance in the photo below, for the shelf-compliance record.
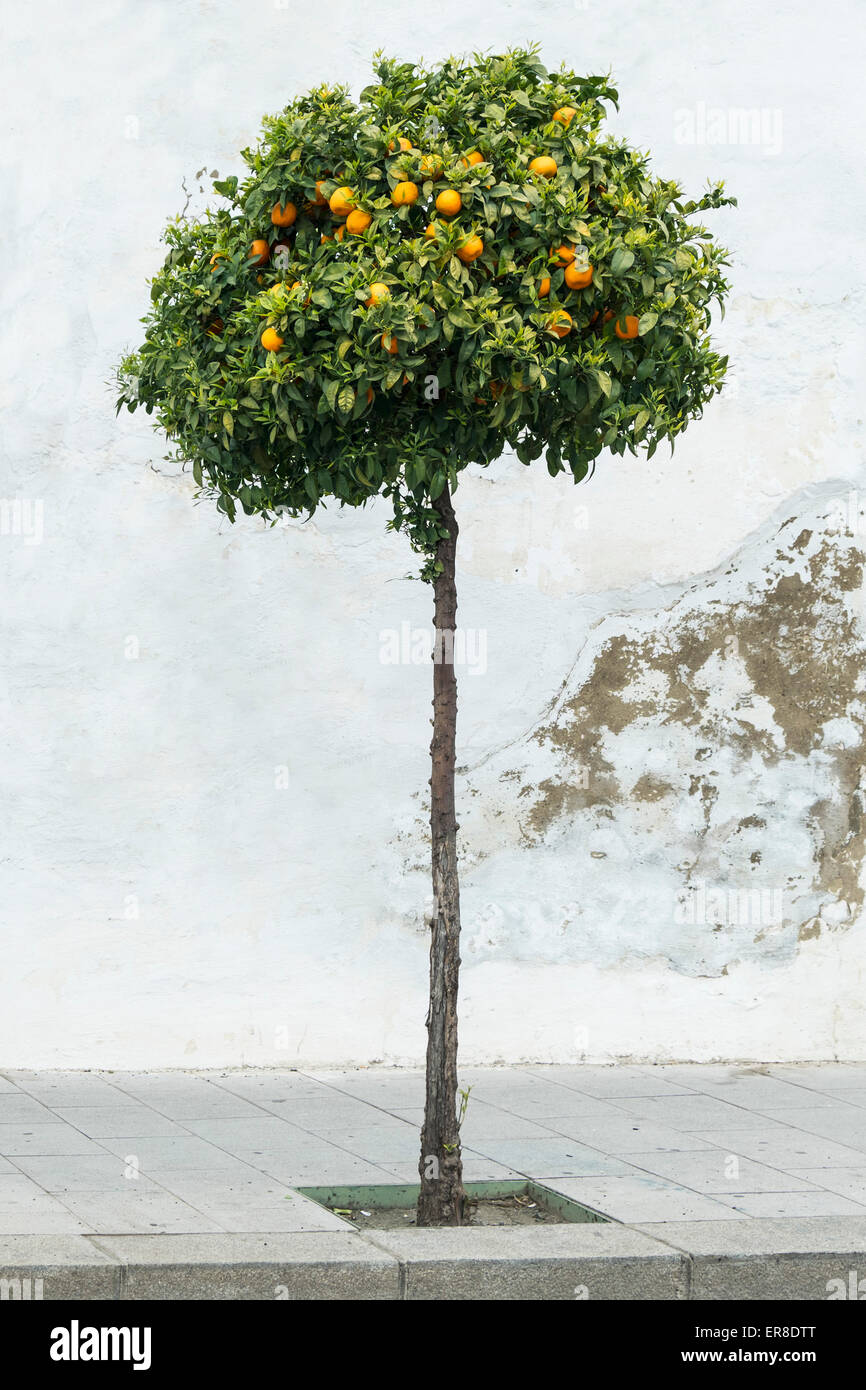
(437, 484)
(228, 422)
(346, 400)
(622, 260)
(646, 322)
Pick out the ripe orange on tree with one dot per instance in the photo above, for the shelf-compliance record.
(565, 115)
(402, 144)
(431, 166)
(260, 252)
(405, 194)
(626, 327)
(271, 340)
(473, 157)
(471, 249)
(543, 165)
(577, 277)
(430, 231)
(389, 343)
(559, 323)
(449, 202)
(358, 221)
(341, 202)
(564, 254)
(283, 214)
(378, 293)
(544, 287)
(320, 201)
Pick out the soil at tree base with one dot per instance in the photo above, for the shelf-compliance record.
(495, 1211)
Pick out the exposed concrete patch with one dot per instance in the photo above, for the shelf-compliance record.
(693, 795)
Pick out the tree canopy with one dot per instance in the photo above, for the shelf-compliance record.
(459, 262)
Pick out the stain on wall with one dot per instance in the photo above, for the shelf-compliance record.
(694, 793)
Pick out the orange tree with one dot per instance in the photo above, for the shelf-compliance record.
(458, 263)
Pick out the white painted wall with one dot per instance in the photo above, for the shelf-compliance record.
(164, 902)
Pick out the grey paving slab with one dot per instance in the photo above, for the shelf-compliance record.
(289, 1212)
(323, 1265)
(783, 1147)
(553, 1157)
(377, 1143)
(794, 1204)
(763, 1093)
(117, 1121)
(319, 1113)
(274, 1085)
(848, 1182)
(532, 1263)
(145, 1212)
(185, 1151)
(608, 1083)
(641, 1197)
(37, 1215)
(54, 1138)
(266, 1131)
(189, 1098)
(716, 1172)
(80, 1173)
(844, 1123)
(625, 1134)
(693, 1112)
(16, 1107)
(67, 1088)
(485, 1121)
(317, 1167)
(823, 1076)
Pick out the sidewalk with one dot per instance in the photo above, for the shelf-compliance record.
(686, 1161)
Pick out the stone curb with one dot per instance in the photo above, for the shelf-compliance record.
(670, 1261)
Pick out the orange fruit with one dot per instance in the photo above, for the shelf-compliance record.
(470, 250)
(565, 115)
(430, 232)
(358, 221)
(389, 343)
(577, 277)
(260, 251)
(473, 157)
(402, 144)
(431, 166)
(378, 293)
(215, 259)
(340, 232)
(564, 254)
(544, 288)
(543, 165)
(559, 323)
(449, 202)
(341, 202)
(271, 340)
(283, 214)
(626, 327)
(405, 194)
(323, 239)
(320, 201)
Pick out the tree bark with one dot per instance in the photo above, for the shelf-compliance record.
(442, 1198)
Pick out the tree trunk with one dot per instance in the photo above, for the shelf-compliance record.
(441, 1169)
